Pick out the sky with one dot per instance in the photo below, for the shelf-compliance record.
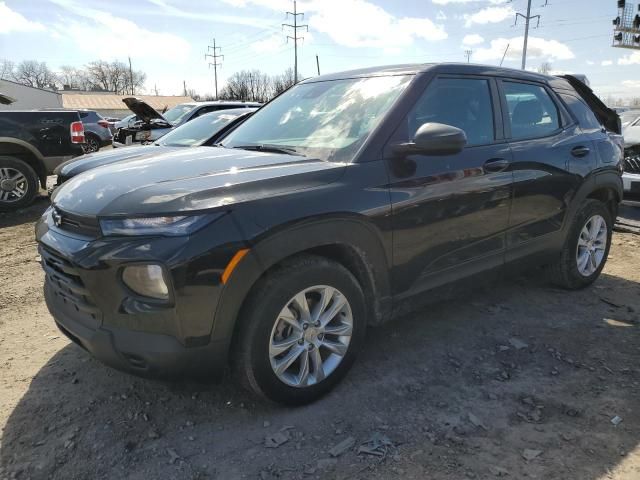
(167, 39)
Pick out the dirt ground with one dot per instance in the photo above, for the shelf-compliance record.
(517, 380)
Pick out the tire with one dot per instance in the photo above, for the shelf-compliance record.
(567, 272)
(91, 145)
(262, 327)
(19, 184)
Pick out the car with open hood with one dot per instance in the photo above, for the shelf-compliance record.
(148, 124)
(346, 201)
(205, 130)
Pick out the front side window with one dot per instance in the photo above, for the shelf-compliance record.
(177, 114)
(328, 120)
(532, 112)
(464, 103)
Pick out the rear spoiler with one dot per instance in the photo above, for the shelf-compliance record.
(608, 117)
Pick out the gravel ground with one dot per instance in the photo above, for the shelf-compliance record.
(517, 380)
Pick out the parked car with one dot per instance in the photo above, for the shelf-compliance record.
(631, 166)
(32, 144)
(148, 124)
(629, 117)
(97, 130)
(340, 204)
(112, 121)
(206, 130)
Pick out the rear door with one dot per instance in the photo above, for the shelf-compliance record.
(544, 141)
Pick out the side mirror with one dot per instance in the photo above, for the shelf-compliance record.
(435, 139)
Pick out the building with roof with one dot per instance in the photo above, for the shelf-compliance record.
(28, 98)
(111, 105)
(105, 103)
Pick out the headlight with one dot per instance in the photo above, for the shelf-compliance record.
(146, 280)
(165, 226)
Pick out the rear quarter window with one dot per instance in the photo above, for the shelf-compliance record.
(581, 111)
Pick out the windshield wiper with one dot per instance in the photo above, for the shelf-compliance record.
(270, 148)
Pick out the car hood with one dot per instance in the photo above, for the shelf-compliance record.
(73, 167)
(189, 179)
(143, 110)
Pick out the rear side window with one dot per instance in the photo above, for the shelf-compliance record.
(532, 112)
(581, 111)
(464, 103)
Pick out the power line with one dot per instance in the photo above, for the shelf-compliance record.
(215, 63)
(295, 36)
(527, 18)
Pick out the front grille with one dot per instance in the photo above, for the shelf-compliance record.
(632, 164)
(67, 286)
(86, 226)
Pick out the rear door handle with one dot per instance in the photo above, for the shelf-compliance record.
(494, 165)
(580, 151)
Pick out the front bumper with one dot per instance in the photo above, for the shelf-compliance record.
(90, 304)
(631, 182)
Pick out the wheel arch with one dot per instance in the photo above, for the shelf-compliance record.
(14, 147)
(353, 243)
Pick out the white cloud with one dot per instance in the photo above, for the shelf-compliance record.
(590, 62)
(472, 39)
(606, 63)
(113, 36)
(537, 48)
(631, 59)
(270, 44)
(489, 15)
(15, 22)
(356, 23)
(631, 83)
(448, 2)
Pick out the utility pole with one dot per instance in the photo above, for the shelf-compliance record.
(295, 36)
(527, 20)
(130, 76)
(215, 55)
(318, 64)
(468, 54)
(184, 85)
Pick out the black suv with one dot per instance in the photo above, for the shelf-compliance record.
(333, 207)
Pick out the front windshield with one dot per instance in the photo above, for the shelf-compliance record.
(329, 120)
(199, 130)
(176, 114)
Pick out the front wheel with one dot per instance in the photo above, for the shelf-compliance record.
(586, 248)
(300, 330)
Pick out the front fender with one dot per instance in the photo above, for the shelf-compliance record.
(354, 233)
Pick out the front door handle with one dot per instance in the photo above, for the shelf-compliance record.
(494, 165)
(580, 151)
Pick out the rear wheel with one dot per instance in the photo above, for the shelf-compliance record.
(300, 330)
(586, 248)
(92, 144)
(18, 183)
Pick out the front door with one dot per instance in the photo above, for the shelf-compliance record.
(450, 212)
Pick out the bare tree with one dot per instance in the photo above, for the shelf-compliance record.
(114, 77)
(6, 68)
(282, 82)
(545, 68)
(34, 74)
(73, 77)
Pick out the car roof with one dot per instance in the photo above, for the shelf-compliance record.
(415, 68)
(222, 102)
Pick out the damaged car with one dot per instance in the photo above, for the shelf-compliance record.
(149, 124)
(631, 166)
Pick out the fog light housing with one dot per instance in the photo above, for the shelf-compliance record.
(146, 280)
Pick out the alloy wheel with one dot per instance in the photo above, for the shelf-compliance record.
(310, 336)
(13, 185)
(90, 146)
(592, 244)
